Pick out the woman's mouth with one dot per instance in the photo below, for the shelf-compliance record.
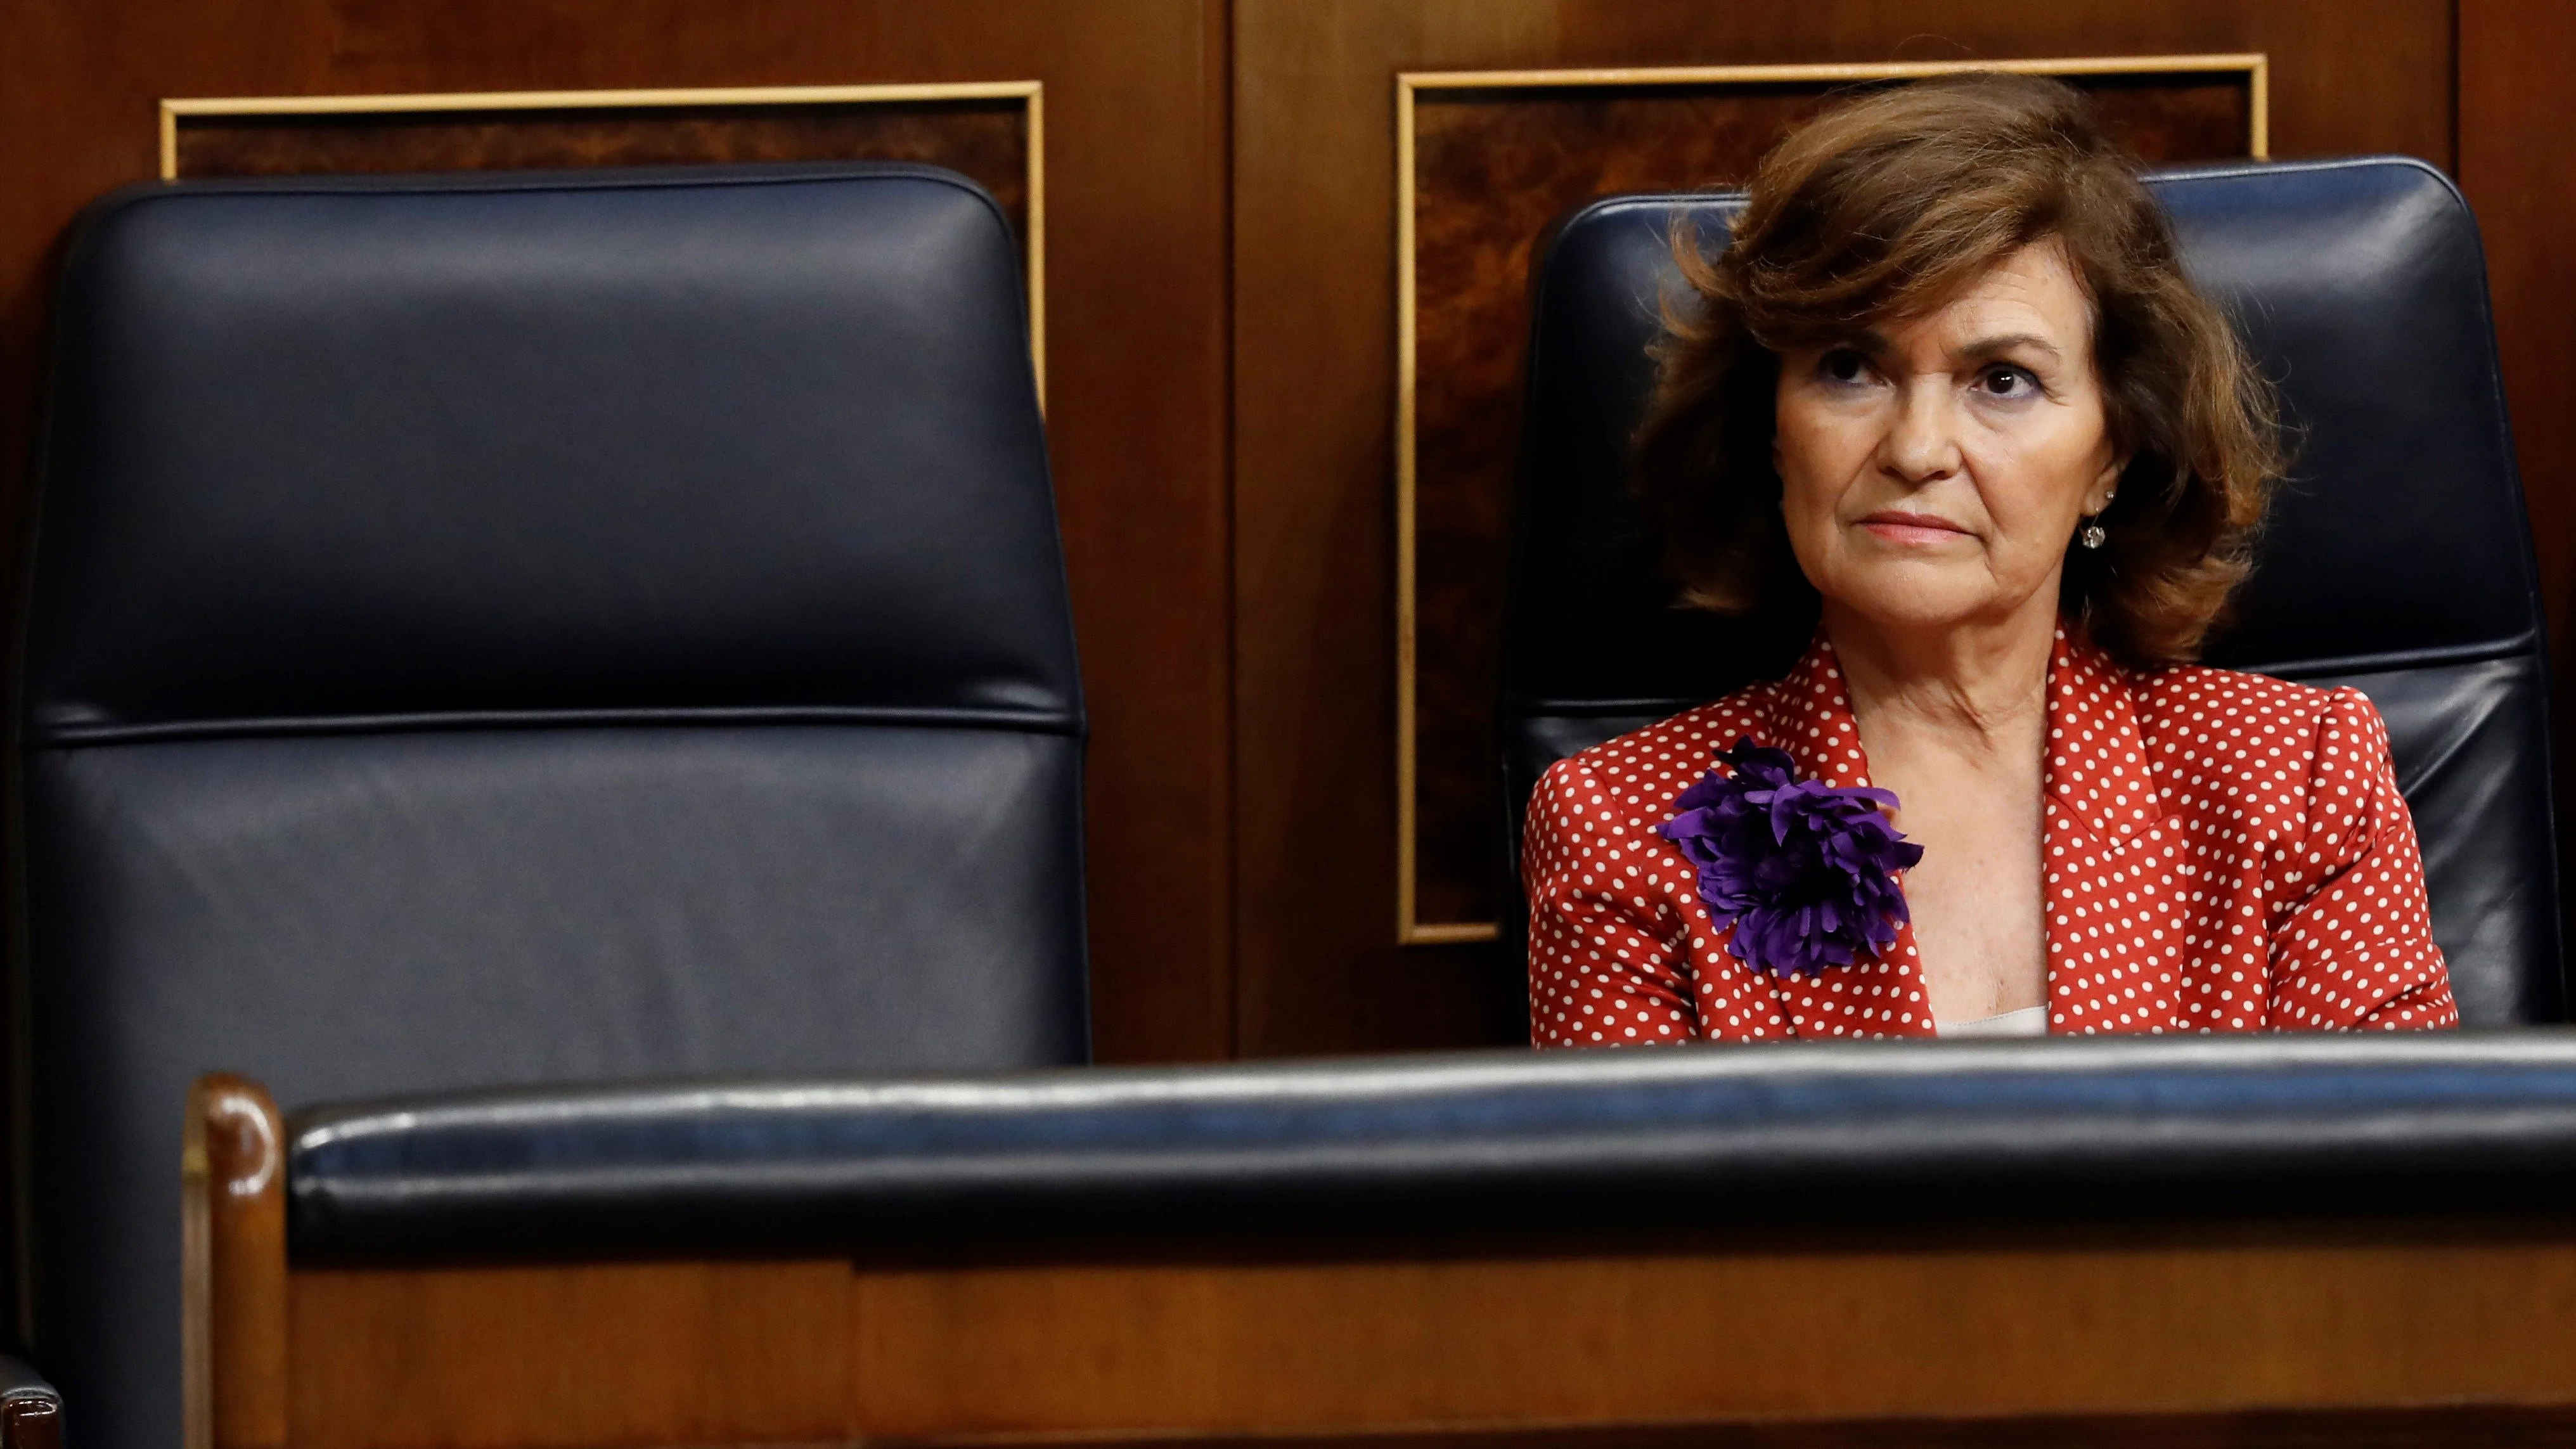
(1898, 526)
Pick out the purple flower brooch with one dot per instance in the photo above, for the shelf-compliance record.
(1805, 872)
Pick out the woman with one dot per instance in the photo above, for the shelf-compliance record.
(1950, 395)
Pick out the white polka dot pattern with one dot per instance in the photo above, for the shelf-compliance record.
(2223, 852)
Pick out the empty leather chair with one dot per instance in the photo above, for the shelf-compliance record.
(514, 629)
(2396, 559)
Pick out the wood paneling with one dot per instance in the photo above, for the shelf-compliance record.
(2436, 1427)
(1314, 396)
(1846, 1331)
(571, 1358)
(1909, 1329)
(1137, 165)
(984, 139)
(2518, 169)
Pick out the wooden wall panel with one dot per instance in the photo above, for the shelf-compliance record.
(1314, 342)
(1137, 163)
(986, 140)
(2518, 168)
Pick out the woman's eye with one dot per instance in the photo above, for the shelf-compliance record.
(2007, 382)
(1843, 365)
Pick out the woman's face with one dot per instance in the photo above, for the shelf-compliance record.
(1933, 472)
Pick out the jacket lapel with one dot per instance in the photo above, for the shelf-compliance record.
(2102, 826)
(1809, 714)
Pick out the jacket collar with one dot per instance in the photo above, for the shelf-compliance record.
(2092, 701)
(1810, 716)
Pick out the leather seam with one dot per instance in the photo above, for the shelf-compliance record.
(84, 736)
(2522, 646)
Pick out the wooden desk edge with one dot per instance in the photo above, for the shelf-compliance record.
(2412, 1330)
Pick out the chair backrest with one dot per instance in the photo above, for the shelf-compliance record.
(2397, 559)
(522, 628)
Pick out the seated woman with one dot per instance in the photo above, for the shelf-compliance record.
(1949, 394)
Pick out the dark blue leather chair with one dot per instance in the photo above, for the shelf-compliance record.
(523, 629)
(2397, 558)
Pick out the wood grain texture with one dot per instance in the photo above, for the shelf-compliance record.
(566, 1358)
(1137, 264)
(235, 1298)
(984, 139)
(2441, 1427)
(1314, 337)
(1904, 1332)
(2517, 113)
(1494, 169)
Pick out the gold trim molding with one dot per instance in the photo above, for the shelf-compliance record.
(1031, 94)
(1410, 930)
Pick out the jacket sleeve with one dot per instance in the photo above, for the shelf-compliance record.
(2352, 939)
(1607, 964)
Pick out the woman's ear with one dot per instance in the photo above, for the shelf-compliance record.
(2106, 483)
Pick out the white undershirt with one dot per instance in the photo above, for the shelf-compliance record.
(2029, 1021)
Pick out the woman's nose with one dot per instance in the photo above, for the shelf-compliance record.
(1922, 442)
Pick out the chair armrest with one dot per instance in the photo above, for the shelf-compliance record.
(1458, 1145)
(31, 1412)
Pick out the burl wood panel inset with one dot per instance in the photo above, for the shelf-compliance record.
(1492, 171)
(2270, 1335)
(984, 139)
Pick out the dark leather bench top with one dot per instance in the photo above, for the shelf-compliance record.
(1680, 1139)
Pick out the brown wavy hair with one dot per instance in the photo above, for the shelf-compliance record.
(1882, 209)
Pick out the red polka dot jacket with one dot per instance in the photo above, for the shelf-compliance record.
(2224, 852)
